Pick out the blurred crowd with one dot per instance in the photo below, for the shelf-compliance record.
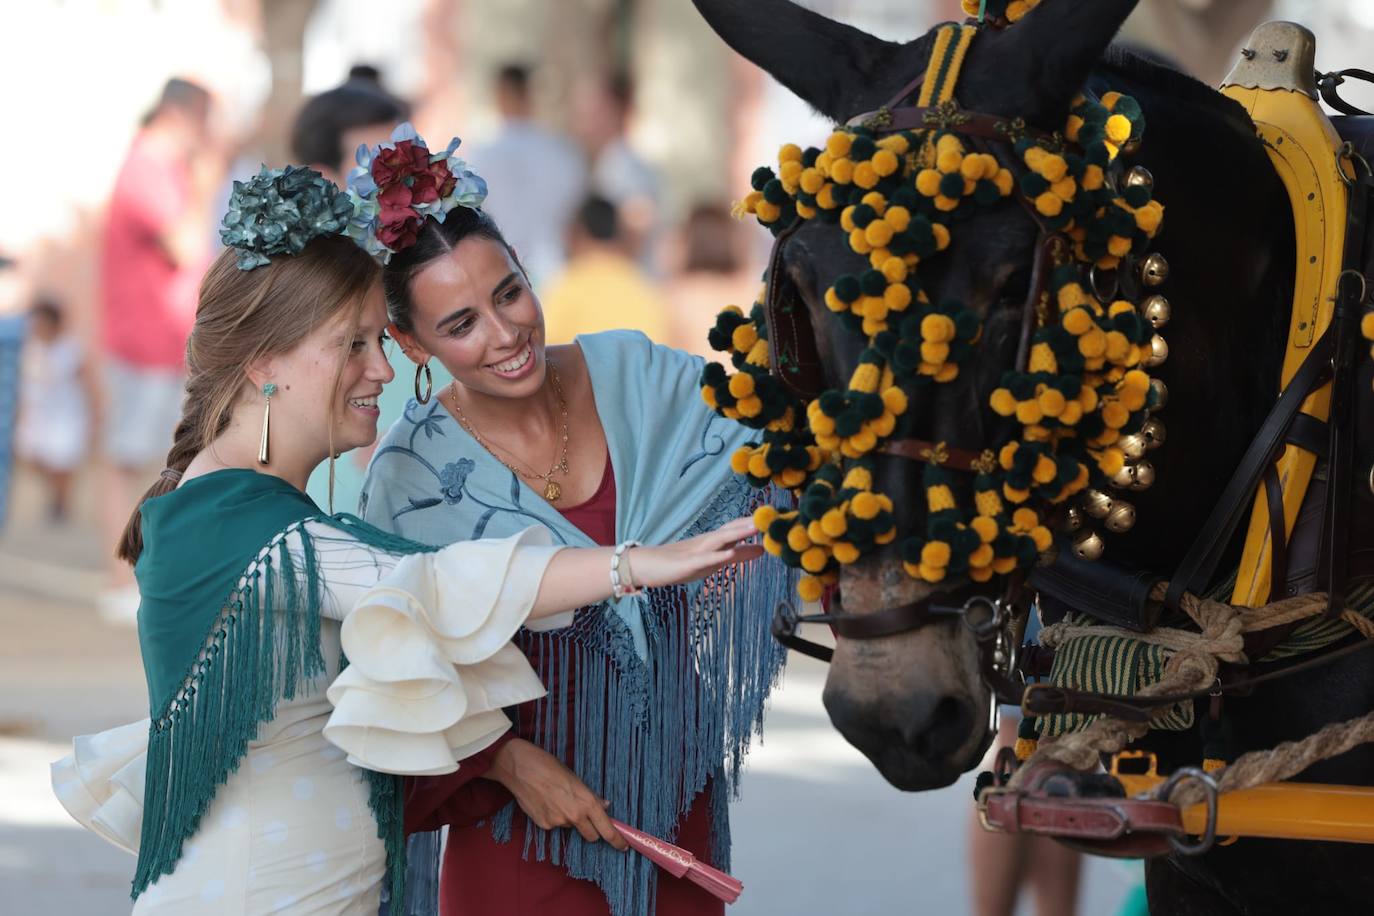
(583, 209)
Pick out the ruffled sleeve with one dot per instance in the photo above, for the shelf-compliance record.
(100, 783)
(431, 662)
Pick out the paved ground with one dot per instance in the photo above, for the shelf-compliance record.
(818, 831)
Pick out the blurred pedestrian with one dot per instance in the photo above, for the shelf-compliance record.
(326, 135)
(711, 266)
(602, 109)
(56, 383)
(155, 250)
(537, 178)
(603, 288)
(12, 326)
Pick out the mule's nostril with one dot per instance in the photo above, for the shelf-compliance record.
(943, 732)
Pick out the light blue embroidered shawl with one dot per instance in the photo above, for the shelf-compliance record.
(685, 671)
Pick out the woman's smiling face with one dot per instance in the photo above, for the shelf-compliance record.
(474, 311)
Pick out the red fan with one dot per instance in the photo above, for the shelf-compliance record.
(681, 864)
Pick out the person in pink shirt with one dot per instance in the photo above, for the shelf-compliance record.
(154, 252)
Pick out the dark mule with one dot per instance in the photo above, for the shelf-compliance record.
(915, 703)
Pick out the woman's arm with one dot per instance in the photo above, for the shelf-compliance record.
(581, 576)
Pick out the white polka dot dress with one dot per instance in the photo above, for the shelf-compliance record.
(291, 830)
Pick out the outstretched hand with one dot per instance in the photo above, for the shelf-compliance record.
(693, 558)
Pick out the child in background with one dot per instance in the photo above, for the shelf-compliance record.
(54, 412)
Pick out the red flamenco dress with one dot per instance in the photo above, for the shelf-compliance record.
(484, 877)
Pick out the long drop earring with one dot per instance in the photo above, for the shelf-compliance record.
(268, 390)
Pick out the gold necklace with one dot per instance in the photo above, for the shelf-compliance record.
(552, 491)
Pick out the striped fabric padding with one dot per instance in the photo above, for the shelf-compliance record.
(1118, 664)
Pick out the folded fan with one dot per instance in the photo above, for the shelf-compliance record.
(680, 863)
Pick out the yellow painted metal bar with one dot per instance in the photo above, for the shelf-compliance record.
(1278, 810)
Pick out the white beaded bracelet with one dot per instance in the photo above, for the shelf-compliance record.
(621, 587)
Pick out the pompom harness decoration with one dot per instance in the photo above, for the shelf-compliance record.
(897, 183)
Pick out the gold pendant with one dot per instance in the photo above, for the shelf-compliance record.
(552, 491)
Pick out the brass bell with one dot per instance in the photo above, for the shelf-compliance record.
(1144, 476)
(1156, 310)
(1073, 519)
(1131, 147)
(1088, 545)
(1153, 433)
(1096, 503)
(1140, 177)
(1121, 518)
(1161, 391)
(1133, 446)
(1123, 478)
(1159, 352)
(1154, 270)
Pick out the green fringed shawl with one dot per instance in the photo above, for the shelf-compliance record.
(224, 636)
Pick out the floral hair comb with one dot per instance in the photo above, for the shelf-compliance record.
(278, 211)
(399, 183)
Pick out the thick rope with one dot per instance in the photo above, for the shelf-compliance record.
(1193, 665)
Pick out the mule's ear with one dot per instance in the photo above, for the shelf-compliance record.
(1057, 44)
(828, 65)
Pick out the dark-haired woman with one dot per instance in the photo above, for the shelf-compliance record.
(244, 793)
(652, 697)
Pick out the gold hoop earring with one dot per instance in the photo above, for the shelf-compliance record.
(429, 383)
(268, 390)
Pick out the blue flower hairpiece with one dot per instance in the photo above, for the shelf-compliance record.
(279, 211)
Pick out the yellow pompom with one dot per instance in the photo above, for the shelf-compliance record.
(846, 553)
(797, 539)
(862, 442)
(842, 171)
(865, 377)
(804, 211)
(847, 219)
(809, 588)
(950, 159)
(1118, 246)
(895, 270)
(1071, 296)
(1118, 346)
(823, 162)
(946, 204)
(1072, 126)
(1049, 204)
(789, 174)
(1044, 470)
(895, 144)
(1118, 129)
(772, 546)
(767, 212)
(1025, 519)
(931, 574)
(1028, 412)
(935, 353)
(811, 180)
(899, 218)
(865, 176)
(825, 197)
(1093, 178)
(865, 506)
(758, 465)
(1004, 182)
(750, 407)
(898, 295)
(814, 559)
(941, 233)
(878, 233)
(1002, 402)
(937, 329)
(1115, 414)
(885, 162)
(1053, 167)
(1093, 344)
(895, 400)
(935, 554)
(1015, 495)
(858, 479)
(1148, 217)
(1042, 358)
(739, 463)
(1367, 325)
(1111, 461)
(1052, 402)
(741, 385)
(858, 242)
(928, 182)
(1042, 537)
(838, 144)
(743, 339)
(981, 556)
(790, 152)
(985, 527)
(834, 523)
(764, 516)
(947, 373)
(1065, 187)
